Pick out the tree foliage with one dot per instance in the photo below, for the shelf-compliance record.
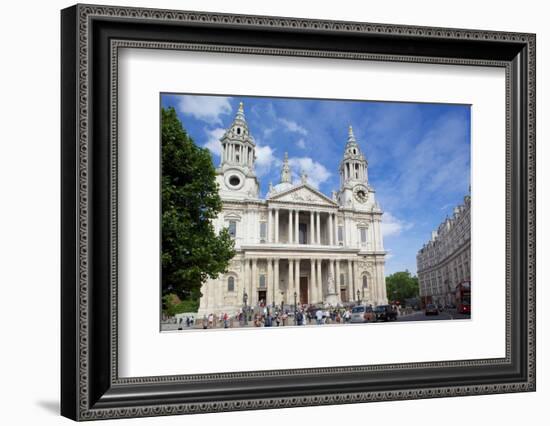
(191, 250)
(401, 286)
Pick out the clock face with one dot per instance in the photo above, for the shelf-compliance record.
(361, 194)
(234, 180)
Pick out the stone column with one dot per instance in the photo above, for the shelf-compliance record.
(253, 297)
(289, 290)
(320, 280)
(330, 230)
(337, 281)
(276, 225)
(331, 270)
(269, 282)
(345, 236)
(246, 277)
(312, 294)
(350, 286)
(318, 227)
(297, 281)
(276, 283)
(336, 229)
(297, 227)
(311, 228)
(289, 226)
(268, 236)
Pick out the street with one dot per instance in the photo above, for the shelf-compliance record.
(421, 316)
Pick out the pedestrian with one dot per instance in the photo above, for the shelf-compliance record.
(187, 321)
(210, 320)
(179, 325)
(205, 322)
(225, 320)
(319, 316)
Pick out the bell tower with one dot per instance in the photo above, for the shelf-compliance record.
(236, 175)
(354, 189)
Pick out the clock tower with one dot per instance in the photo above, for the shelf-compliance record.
(354, 188)
(236, 176)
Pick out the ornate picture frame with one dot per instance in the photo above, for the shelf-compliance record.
(91, 386)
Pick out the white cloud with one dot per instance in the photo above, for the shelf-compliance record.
(292, 126)
(268, 131)
(213, 141)
(393, 226)
(205, 108)
(301, 143)
(265, 159)
(316, 172)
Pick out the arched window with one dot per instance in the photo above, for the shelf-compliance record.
(238, 130)
(365, 282)
(231, 284)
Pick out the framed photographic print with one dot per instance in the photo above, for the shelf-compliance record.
(265, 212)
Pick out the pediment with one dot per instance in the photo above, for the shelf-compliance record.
(303, 194)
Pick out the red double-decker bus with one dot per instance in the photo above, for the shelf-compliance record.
(463, 297)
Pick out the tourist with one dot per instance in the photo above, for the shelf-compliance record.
(211, 321)
(319, 316)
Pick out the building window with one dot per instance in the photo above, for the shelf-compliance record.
(340, 234)
(232, 228)
(262, 281)
(342, 280)
(365, 282)
(263, 231)
(363, 232)
(231, 284)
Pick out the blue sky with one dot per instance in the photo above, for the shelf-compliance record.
(418, 154)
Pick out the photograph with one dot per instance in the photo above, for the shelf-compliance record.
(279, 212)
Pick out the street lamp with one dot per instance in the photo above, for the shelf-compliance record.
(245, 313)
(295, 308)
(358, 297)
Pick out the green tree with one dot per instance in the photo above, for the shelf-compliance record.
(191, 250)
(401, 286)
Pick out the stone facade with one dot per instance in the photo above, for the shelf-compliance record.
(444, 261)
(296, 241)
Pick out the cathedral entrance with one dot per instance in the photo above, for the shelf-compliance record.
(261, 297)
(344, 295)
(304, 297)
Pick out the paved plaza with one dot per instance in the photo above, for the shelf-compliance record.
(289, 322)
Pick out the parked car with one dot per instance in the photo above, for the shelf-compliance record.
(464, 308)
(362, 313)
(385, 313)
(431, 309)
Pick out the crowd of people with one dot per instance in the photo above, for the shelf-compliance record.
(277, 316)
